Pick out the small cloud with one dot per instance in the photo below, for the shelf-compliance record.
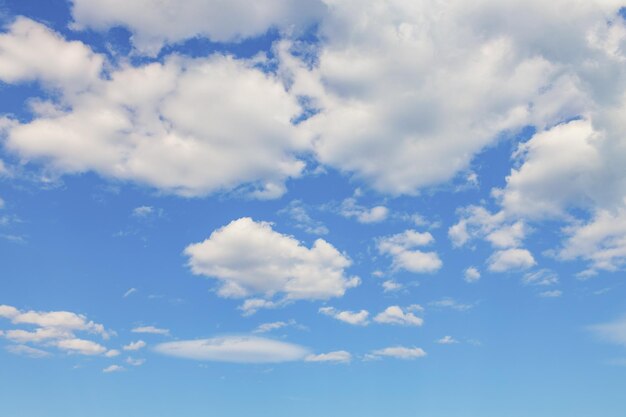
(113, 368)
(395, 315)
(450, 303)
(471, 275)
(135, 362)
(543, 277)
(24, 350)
(268, 327)
(447, 340)
(112, 353)
(340, 356)
(151, 330)
(511, 259)
(143, 211)
(398, 352)
(350, 209)
(140, 344)
(129, 292)
(298, 212)
(358, 318)
(551, 294)
(391, 286)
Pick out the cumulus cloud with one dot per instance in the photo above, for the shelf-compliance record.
(471, 274)
(140, 344)
(351, 209)
(248, 258)
(395, 315)
(238, 349)
(151, 330)
(511, 259)
(173, 125)
(52, 329)
(340, 356)
(357, 318)
(398, 352)
(154, 23)
(402, 249)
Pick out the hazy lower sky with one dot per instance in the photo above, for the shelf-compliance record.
(312, 208)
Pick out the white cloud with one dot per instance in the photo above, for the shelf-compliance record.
(511, 259)
(252, 305)
(398, 352)
(80, 346)
(143, 211)
(447, 340)
(357, 318)
(471, 274)
(113, 368)
(130, 292)
(551, 294)
(391, 286)
(297, 211)
(613, 332)
(401, 248)
(390, 85)
(173, 125)
(268, 327)
(31, 52)
(542, 277)
(249, 258)
(239, 349)
(140, 344)
(448, 302)
(154, 23)
(151, 330)
(351, 209)
(340, 356)
(395, 315)
(112, 353)
(135, 362)
(24, 350)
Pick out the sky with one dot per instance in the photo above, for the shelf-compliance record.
(313, 208)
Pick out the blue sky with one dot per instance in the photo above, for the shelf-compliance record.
(321, 207)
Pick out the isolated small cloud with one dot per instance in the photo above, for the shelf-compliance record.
(395, 315)
(130, 292)
(471, 274)
(340, 356)
(398, 352)
(447, 340)
(140, 344)
(451, 303)
(113, 368)
(551, 294)
(511, 259)
(357, 318)
(151, 330)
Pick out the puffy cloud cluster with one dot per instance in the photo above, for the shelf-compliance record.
(52, 329)
(402, 250)
(174, 125)
(248, 258)
(156, 22)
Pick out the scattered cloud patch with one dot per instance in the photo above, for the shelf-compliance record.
(140, 344)
(113, 368)
(357, 318)
(402, 249)
(340, 356)
(398, 352)
(471, 275)
(151, 330)
(395, 315)
(447, 340)
(510, 260)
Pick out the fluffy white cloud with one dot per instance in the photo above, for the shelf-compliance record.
(140, 344)
(351, 209)
(357, 318)
(398, 352)
(240, 349)
(511, 259)
(403, 86)
(391, 286)
(112, 353)
(249, 258)
(395, 315)
(339, 356)
(156, 22)
(53, 329)
(401, 248)
(174, 125)
(31, 52)
(471, 274)
(151, 330)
